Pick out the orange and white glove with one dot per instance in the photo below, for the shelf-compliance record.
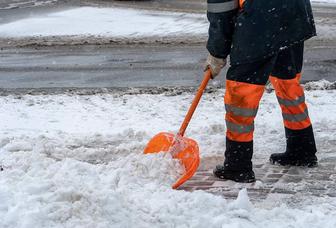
(215, 65)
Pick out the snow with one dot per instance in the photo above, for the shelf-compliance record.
(25, 3)
(110, 22)
(124, 24)
(324, 1)
(76, 161)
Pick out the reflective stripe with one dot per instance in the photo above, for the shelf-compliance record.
(245, 112)
(296, 117)
(287, 102)
(222, 7)
(239, 128)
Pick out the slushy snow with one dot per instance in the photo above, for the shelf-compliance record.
(77, 161)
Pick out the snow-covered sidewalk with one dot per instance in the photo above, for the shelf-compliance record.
(76, 161)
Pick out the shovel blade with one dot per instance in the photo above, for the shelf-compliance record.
(182, 148)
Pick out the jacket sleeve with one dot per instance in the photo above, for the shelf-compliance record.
(221, 15)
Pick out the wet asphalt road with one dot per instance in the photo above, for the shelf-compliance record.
(128, 66)
(11, 10)
(114, 66)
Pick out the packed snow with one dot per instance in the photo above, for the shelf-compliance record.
(122, 24)
(324, 1)
(110, 22)
(76, 161)
(25, 4)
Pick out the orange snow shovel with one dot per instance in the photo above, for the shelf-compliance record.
(180, 147)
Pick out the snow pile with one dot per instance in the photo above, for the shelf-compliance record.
(320, 85)
(77, 161)
(38, 191)
(122, 24)
(25, 3)
(132, 191)
(108, 22)
(324, 1)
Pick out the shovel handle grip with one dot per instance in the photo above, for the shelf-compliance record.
(207, 77)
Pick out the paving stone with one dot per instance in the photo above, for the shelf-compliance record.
(282, 191)
(259, 176)
(326, 167)
(187, 188)
(276, 171)
(328, 159)
(212, 178)
(258, 166)
(291, 179)
(200, 183)
(198, 178)
(275, 175)
(275, 181)
(207, 174)
(324, 177)
(294, 171)
(208, 188)
(222, 183)
(270, 181)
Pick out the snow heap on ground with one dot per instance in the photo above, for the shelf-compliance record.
(76, 161)
(324, 1)
(119, 23)
(107, 22)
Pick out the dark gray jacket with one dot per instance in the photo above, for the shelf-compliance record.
(258, 30)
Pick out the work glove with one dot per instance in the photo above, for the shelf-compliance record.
(215, 65)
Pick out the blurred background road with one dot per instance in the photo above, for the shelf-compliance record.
(123, 66)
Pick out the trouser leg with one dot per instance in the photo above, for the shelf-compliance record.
(245, 85)
(241, 104)
(285, 78)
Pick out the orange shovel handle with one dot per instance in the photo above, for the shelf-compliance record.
(207, 77)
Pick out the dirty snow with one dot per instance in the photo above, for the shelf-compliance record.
(24, 4)
(324, 1)
(76, 161)
(110, 22)
(122, 24)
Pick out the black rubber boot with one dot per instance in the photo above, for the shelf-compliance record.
(300, 151)
(237, 165)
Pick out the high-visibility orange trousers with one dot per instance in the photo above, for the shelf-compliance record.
(245, 85)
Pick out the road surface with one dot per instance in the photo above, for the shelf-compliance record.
(115, 66)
